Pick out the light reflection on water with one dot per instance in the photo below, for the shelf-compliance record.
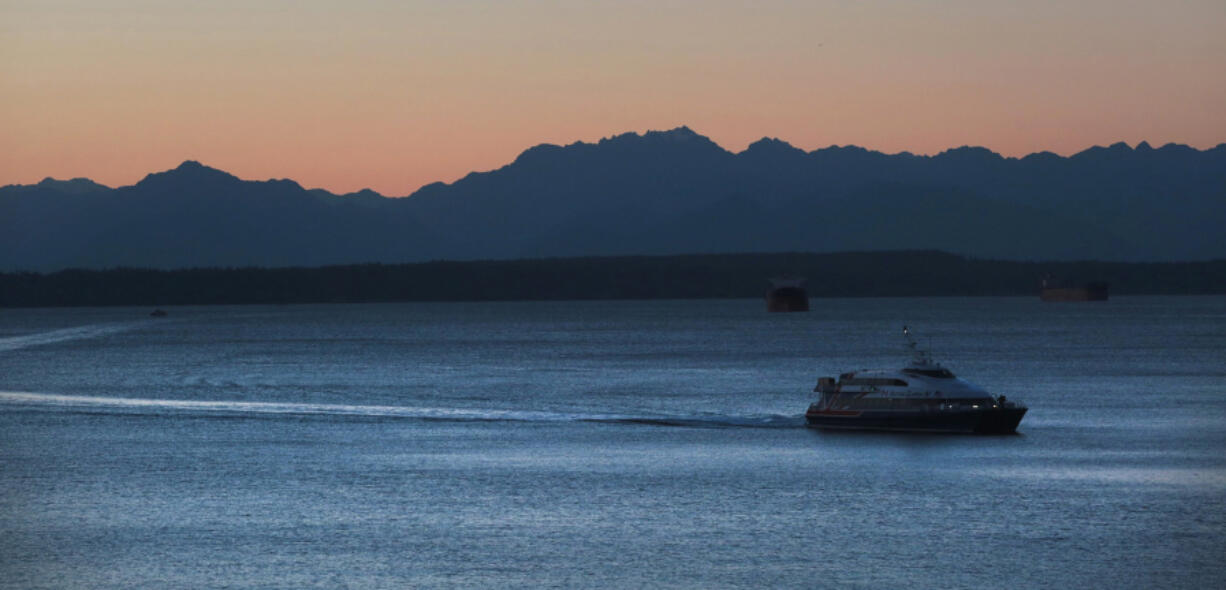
(1208, 478)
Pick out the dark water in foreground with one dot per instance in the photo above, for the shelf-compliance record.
(604, 444)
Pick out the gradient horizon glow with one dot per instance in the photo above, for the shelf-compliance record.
(395, 95)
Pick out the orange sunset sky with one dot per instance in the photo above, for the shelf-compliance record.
(394, 95)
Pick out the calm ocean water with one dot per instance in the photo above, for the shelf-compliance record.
(604, 444)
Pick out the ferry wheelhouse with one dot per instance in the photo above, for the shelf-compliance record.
(922, 396)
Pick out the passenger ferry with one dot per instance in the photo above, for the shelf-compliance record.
(922, 396)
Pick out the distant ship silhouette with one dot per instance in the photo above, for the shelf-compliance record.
(787, 294)
(1050, 290)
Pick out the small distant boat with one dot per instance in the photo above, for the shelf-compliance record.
(1052, 291)
(158, 313)
(787, 294)
(920, 397)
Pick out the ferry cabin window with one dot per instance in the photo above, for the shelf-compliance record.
(886, 404)
(938, 373)
(874, 381)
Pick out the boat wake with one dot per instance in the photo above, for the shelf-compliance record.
(165, 407)
(64, 335)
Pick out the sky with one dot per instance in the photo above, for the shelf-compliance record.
(393, 95)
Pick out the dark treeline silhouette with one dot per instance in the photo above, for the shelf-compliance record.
(853, 274)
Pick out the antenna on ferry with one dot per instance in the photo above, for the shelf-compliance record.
(906, 333)
(918, 355)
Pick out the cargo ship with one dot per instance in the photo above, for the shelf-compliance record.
(922, 396)
(787, 294)
(1053, 291)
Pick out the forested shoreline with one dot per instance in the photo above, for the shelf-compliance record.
(849, 274)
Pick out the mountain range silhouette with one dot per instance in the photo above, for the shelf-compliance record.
(662, 192)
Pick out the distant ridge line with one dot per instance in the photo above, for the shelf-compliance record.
(660, 193)
(762, 144)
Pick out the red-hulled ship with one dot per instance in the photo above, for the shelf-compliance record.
(1050, 290)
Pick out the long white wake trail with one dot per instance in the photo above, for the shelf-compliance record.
(243, 407)
(240, 408)
(63, 335)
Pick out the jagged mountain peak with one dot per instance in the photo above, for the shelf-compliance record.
(75, 186)
(1116, 149)
(284, 183)
(651, 144)
(769, 147)
(540, 152)
(969, 152)
(682, 135)
(189, 172)
(365, 193)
